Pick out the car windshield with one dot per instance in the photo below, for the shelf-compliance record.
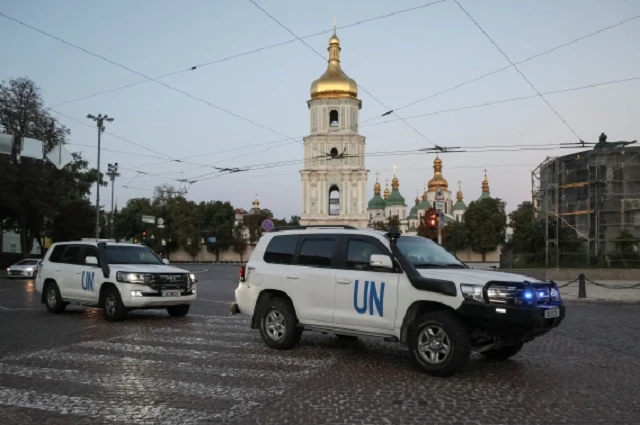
(424, 253)
(130, 255)
(27, 263)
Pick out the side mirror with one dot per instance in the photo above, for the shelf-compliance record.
(381, 261)
(91, 261)
(164, 260)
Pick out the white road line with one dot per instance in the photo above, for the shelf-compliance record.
(136, 363)
(229, 317)
(122, 411)
(190, 341)
(239, 335)
(131, 382)
(276, 358)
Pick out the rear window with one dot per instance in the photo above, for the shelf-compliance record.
(281, 249)
(56, 254)
(316, 252)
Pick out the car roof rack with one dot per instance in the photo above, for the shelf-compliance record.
(325, 226)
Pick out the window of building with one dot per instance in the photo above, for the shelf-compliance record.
(334, 200)
(281, 249)
(316, 252)
(333, 118)
(14, 248)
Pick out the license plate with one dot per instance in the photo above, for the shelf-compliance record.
(170, 293)
(551, 313)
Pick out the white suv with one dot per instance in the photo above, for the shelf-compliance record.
(357, 282)
(116, 277)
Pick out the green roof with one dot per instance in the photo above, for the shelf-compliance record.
(459, 206)
(395, 199)
(424, 205)
(413, 210)
(485, 195)
(376, 203)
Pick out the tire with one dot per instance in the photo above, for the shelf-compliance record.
(445, 342)
(279, 324)
(178, 310)
(53, 299)
(113, 309)
(34, 274)
(504, 353)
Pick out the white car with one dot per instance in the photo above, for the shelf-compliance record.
(25, 268)
(116, 277)
(360, 282)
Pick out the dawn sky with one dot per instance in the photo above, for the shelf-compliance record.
(398, 59)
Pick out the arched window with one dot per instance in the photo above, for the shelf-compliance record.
(333, 118)
(334, 200)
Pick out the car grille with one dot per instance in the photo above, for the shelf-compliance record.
(15, 272)
(522, 293)
(169, 281)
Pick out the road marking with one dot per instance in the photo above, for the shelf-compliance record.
(276, 358)
(56, 355)
(191, 341)
(124, 411)
(241, 335)
(214, 301)
(130, 382)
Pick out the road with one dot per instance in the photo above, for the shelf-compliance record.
(75, 368)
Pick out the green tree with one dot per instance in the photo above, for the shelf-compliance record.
(486, 223)
(294, 221)
(128, 223)
(217, 220)
(455, 237)
(239, 242)
(528, 231)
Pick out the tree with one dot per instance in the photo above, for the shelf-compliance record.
(528, 232)
(486, 223)
(455, 237)
(239, 242)
(217, 220)
(294, 221)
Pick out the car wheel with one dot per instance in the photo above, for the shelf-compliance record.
(34, 274)
(53, 299)
(504, 353)
(279, 324)
(439, 343)
(178, 310)
(113, 309)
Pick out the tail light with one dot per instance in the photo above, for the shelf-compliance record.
(241, 274)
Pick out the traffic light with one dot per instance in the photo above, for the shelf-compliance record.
(144, 234)
(433, 220)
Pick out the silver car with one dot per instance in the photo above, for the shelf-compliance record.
(26, 268)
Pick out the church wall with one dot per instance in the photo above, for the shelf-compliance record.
(205, 256)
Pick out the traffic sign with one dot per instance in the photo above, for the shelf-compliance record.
(441, 220)
(440, 205)
(267, 225)
(211, 239)
(160, 221)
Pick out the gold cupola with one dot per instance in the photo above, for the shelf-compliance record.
(256, 202)
(386, 191)
(437, 179)
(334, 83)
(485, 183)
(376, 187)
(459, 193)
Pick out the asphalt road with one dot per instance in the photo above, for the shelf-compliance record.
(75, 368)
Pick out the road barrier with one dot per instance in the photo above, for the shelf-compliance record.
(582, 285)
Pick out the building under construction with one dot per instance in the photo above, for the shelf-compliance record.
(595, 194)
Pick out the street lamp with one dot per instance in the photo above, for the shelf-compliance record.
(100, 119)
(112, 173)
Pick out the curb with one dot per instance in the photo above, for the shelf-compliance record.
(588, 301)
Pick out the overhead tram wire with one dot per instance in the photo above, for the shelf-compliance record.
(250, 52)
(518, 70)
(119, 65)
(359, 86)
(473, 80)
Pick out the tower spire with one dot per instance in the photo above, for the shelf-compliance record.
(485, 183)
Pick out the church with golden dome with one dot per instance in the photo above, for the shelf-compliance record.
(334, 177)
(392, 203)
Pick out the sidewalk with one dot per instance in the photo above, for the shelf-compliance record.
(602, 296)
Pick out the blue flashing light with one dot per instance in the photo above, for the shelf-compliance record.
(528, 295)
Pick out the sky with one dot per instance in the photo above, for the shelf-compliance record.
(399, 59)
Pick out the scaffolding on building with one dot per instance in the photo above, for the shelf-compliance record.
(591, 195)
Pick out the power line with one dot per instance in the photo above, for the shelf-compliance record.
(250, 52)
(518, 70)
(359, 86)
(147, 77)
(495, 102)
(473, 80)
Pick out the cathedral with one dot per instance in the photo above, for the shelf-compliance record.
(334, 177)
(393, 204)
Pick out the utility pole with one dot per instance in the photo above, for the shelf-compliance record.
(100, 119)
(112, 173)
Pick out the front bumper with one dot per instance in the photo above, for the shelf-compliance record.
(517, 323)
(149, 298)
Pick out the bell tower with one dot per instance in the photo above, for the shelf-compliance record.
(334, 177)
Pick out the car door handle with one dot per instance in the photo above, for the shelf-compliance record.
(344, 281)
(57, 271)
(79, 273)
(293, 276)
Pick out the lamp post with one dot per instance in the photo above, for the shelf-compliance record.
(112, 173)
(100, 119)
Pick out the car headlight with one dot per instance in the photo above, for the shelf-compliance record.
(472, 292)
(28, 269)
(125, 277)
(192, 278)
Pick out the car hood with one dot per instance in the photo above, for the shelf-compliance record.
(22, 267)
(146, 268)
(474, 276)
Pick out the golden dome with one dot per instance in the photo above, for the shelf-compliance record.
(334, 83)
(459, 193)
(417, 201)
(386, 191)
(437, 179)
(256, 203)
(485, 182)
